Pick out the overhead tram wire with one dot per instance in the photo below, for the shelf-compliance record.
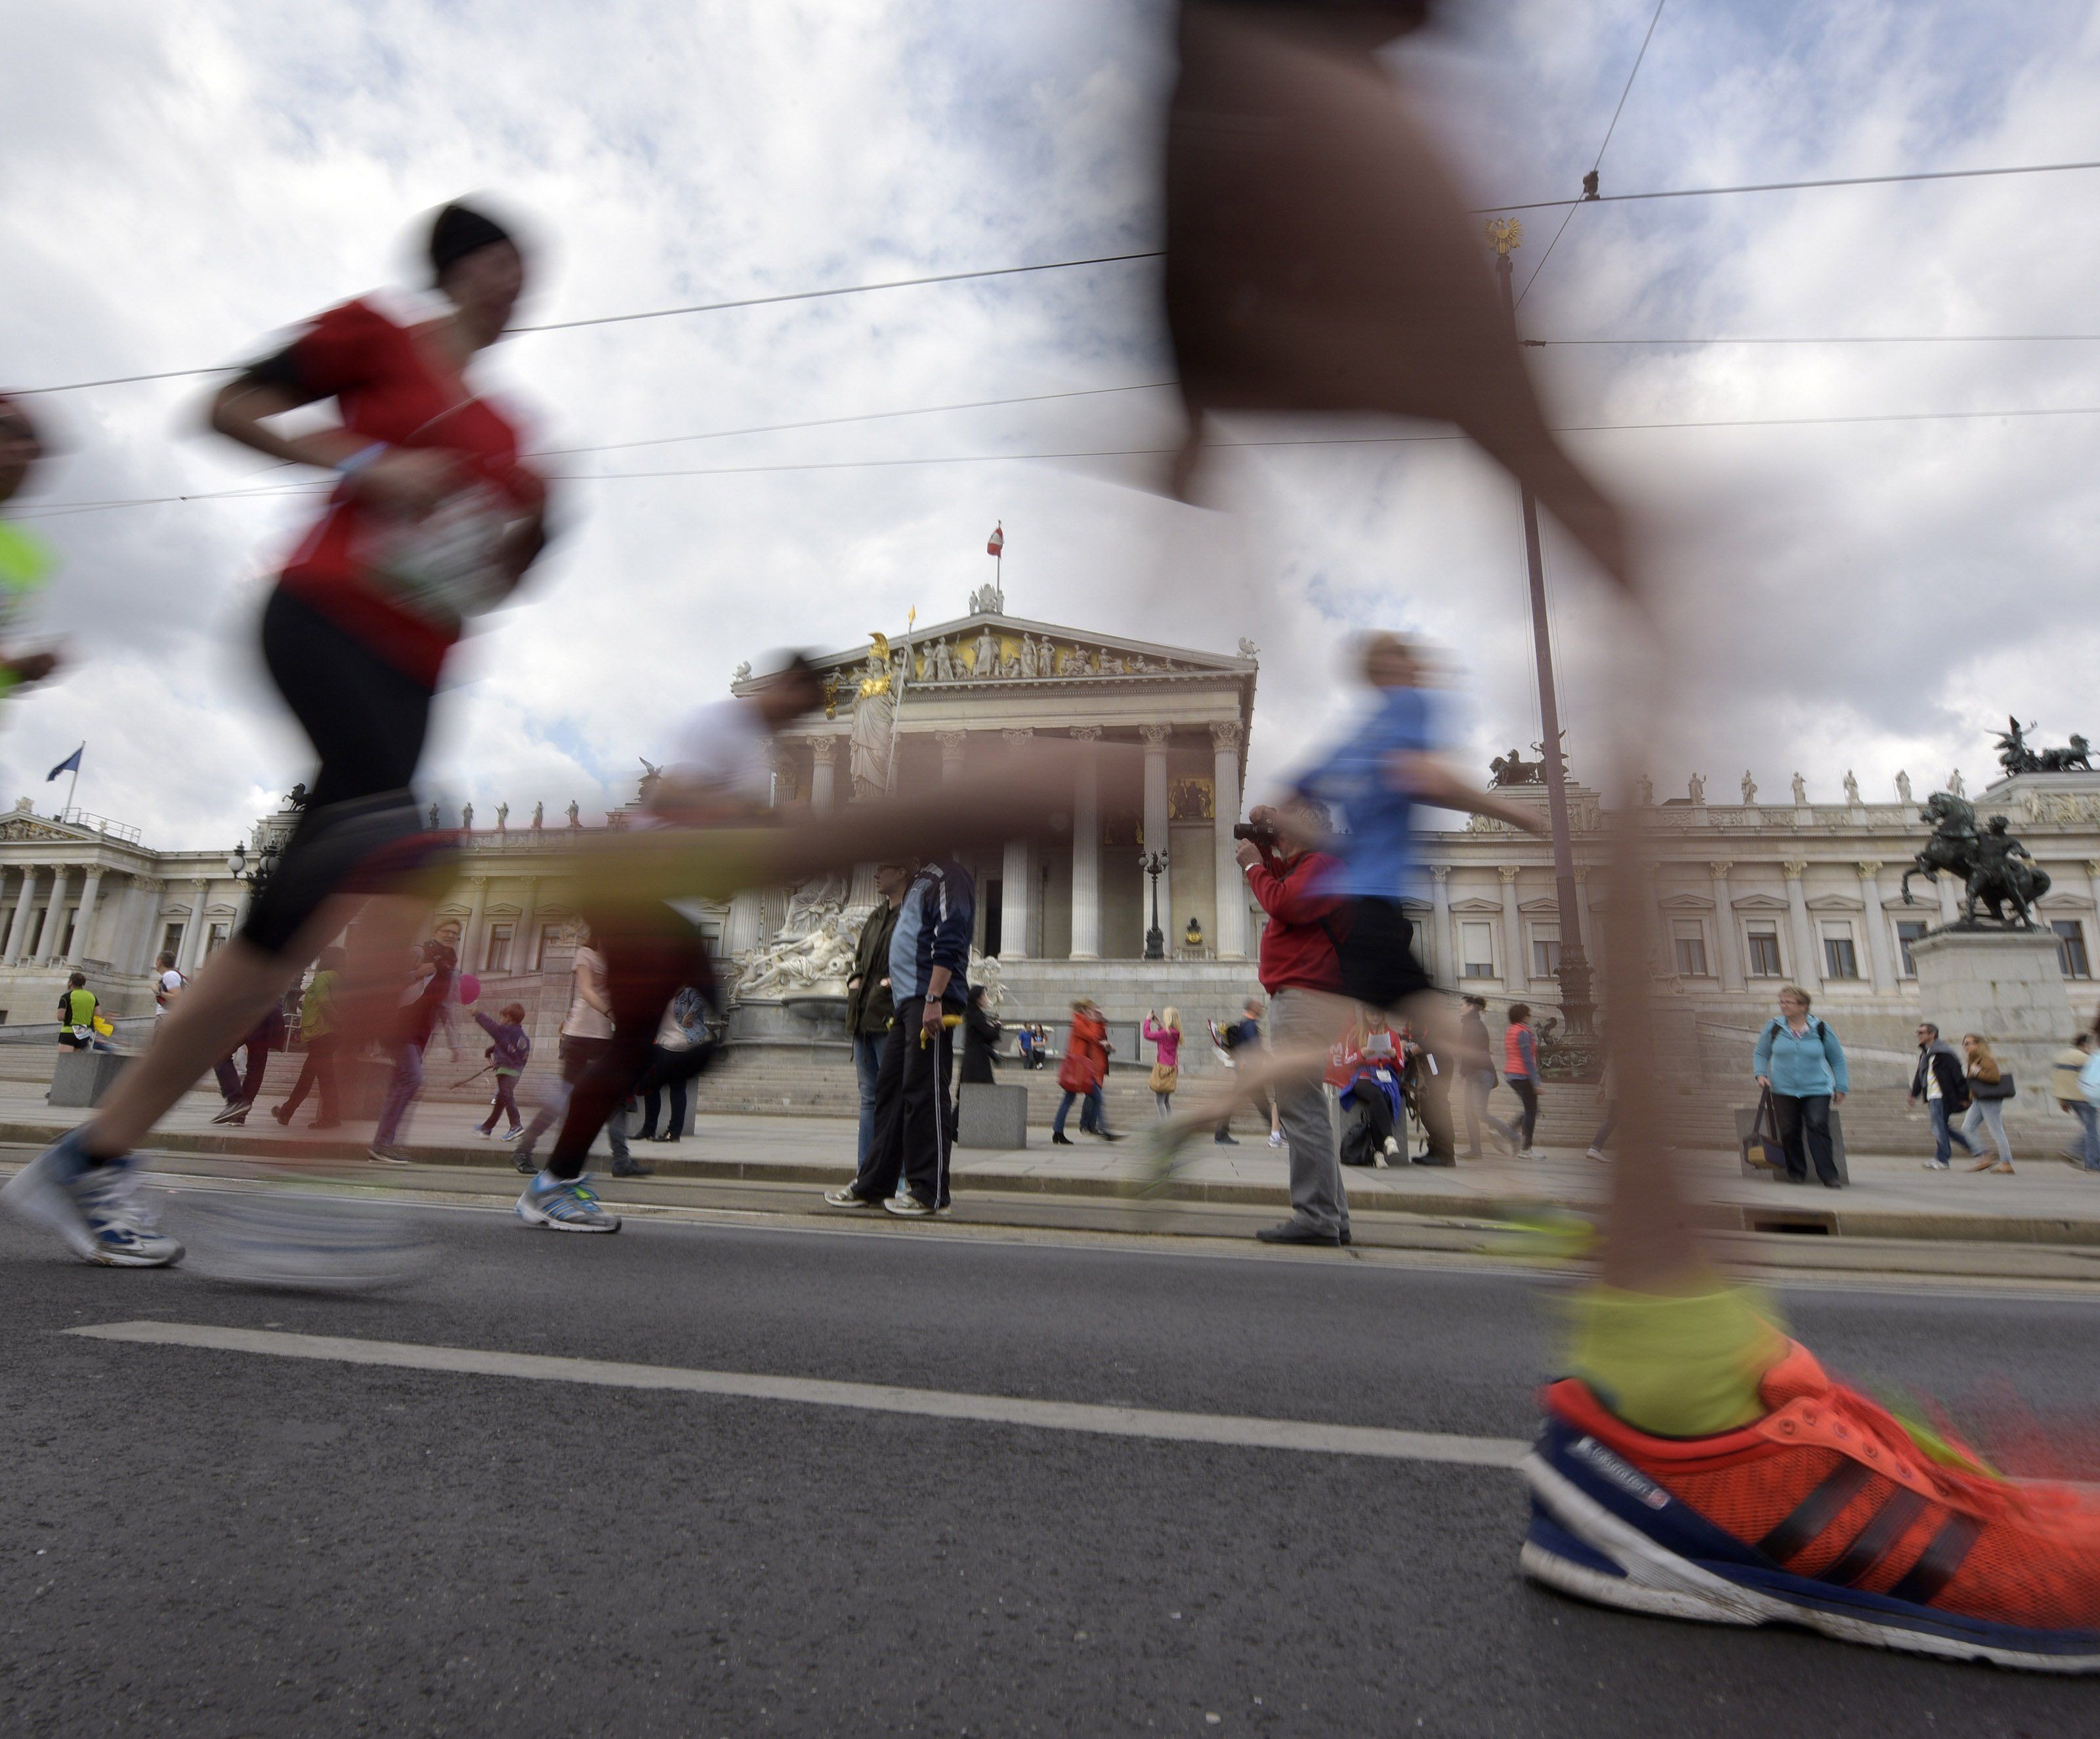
(1000, 271)
(1589, 181)
(1903, 338)
(2012, 413)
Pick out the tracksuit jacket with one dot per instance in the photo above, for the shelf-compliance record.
(934, 926)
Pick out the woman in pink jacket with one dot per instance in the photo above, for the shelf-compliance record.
(1165, 1036)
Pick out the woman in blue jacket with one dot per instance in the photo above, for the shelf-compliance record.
(1801, 1061)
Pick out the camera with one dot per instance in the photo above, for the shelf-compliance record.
(1260, 832)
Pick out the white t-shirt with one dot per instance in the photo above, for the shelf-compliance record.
(170, 982)
(584, 1021)
(724, 748)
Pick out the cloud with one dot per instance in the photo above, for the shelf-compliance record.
(185, 181)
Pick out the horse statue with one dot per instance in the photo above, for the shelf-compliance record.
(1993, 867)
(1512, 769)
(2078, 756)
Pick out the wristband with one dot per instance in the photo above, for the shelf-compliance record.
(351, 465)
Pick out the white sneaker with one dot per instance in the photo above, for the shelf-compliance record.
(1275, 1138)
(94, 1208)
(846, 1196)
(1598, 1153)
(1937, 1165)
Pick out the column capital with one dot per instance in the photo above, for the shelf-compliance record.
(1155, 735)
(1229, 735)
(1087, 733)
(1441, 872)
(2093, 866)
(1794, 869)
(1868, 869)
(477, 882)
(1508, 872)
(1719, 871)
(824, 750)
(1019, 736)
(951, 741)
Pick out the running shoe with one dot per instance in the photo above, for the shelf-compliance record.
(1275, 1138)
(392, 1155)
(564, 1206)
(285, 1236)
(236, 1111)
(846, 1196)
(95, 1209)
(1825, 1513)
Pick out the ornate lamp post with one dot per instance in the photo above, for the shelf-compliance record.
(1578, 1006)
(1153, 864)
(256, 877)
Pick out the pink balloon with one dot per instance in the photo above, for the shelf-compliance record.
(470, 987)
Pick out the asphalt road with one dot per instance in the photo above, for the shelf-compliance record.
(208, 1542)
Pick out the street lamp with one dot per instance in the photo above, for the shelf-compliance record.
(257, 877)
(1578, 1008)
(1153, 864)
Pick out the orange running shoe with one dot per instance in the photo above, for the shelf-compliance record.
(1825, 1513)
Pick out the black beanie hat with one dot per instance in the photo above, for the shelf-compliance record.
(456, 231)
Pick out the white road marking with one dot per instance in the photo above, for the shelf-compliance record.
(1237, 1431)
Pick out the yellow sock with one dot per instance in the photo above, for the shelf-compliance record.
(1681, 1366)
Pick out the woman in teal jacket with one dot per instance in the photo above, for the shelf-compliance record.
(1801, 1061)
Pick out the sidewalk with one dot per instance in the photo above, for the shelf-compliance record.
(2047, 1201)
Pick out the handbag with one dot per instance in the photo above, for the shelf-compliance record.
(1762, 1146)
(2000, 1088)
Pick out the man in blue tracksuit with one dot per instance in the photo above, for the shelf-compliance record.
(929, 957)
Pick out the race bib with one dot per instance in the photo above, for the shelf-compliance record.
(445, 565)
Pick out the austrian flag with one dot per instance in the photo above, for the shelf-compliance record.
(997, 538)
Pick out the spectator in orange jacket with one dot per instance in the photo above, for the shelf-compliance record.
(1081, 1073)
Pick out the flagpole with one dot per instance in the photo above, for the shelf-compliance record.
(72, 784)
(897, 704)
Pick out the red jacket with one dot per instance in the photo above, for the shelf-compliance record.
(1086, 1064)
(1298, 943)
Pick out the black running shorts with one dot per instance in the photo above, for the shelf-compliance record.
(1377, 955)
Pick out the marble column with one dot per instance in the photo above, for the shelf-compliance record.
(1157, 833)
(192, 949)
(824, 755)
(2093, 882)
(47, 934)
(1730, 962)
(18, 932)
(470, 937)
(745, 927)
(1230, 930)
(1516, 968)
(1876, 923)
(1017, 897)
(1443, 962)
(1807, 956)
(1086, 856)
(90, 892)
(952, 743)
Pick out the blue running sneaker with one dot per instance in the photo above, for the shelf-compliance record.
(564, 1205)
(94, 1208)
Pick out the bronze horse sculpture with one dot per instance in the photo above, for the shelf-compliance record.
(1992, 865)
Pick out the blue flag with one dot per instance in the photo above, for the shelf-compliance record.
(70, 763)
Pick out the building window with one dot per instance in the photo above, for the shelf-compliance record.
(171, 939)
(2071, 947)
(550, 938)
(1908, 930)
(1764, 953)
(1545, 950)
(215, 937)
(1476, 949)
(1689, 936)
(1840, 959)
(495, 958)
(72, 923)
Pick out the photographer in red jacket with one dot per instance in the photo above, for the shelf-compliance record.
(1298, 963)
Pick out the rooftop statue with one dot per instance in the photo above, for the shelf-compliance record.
(2017, 755)
(1992, 867)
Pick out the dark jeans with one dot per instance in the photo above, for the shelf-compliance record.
(664, 1077)
(912, 1118)
(504, 1104)
(868, 1065)
(1944, 1134)
(1092, 1122)
(1527, 1092)
(317, 1072)
(1604, 1129)
(1804, 1131)
(401, 1094)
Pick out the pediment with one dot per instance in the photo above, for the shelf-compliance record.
(1475, 906)
(1759, 902)
(1686, 902)
(30, 827)
(1835, 902)
(1022, 650)
(1540, 908)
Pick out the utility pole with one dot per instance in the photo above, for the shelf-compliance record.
(1578, 1007)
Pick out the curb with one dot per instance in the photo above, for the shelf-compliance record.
(1785, 1219)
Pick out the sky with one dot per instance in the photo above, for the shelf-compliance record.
(185, 182)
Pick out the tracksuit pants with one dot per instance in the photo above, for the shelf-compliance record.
(913, 1123)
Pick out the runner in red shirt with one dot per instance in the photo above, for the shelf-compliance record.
(433, 517)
